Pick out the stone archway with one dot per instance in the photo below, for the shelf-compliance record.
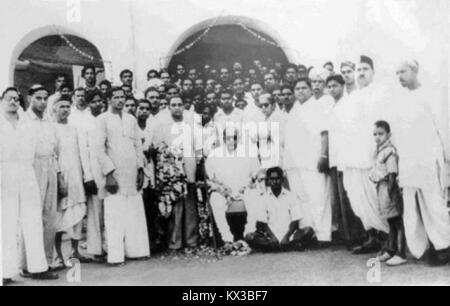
(228, 41)
(43, 53)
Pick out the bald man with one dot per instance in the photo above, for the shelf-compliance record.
(421, 167)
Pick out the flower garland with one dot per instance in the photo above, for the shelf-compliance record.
(171, 181)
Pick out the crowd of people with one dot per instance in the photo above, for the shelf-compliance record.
(274, 157)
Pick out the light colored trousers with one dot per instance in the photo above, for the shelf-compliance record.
(46, 175)
(362, 193)
(426, 219)
(95, 225)
(126, 228)
(22, 233)
(314, 190)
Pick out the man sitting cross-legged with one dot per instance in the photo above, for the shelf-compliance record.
(278, 226)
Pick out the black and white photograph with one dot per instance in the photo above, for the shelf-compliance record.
(239, 144)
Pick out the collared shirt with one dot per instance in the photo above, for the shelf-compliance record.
(385, 163)
(119, 149)
(46, 141)
(279, 212)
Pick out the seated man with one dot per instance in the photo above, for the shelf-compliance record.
(231, 172)
(278, 226)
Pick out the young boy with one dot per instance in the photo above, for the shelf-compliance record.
(384, 174)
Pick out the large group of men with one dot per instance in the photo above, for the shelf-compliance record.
(283, 157)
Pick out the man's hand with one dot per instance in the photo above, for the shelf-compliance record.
(62, 187)
(323, 165)
(140, 179)
(90, 188)
(111, 184)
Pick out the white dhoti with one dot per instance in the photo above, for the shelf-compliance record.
(314, 190)
(95, 224)
(126, 228)
(45, 168)
(363, 199)
(219, 209)
(22, 232)
(426, 219)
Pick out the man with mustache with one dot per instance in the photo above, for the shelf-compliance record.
(363, 108)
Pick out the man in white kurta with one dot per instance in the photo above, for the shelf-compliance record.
(364, 108)
(421, 166)
(305, 132)
(82, 119)
(20, 195)
(230, 171)
(72, 198)
(344, 220)
(45, 164)
(119, 151)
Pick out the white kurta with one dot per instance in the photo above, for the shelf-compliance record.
(364, 108)
(20, 200)
(84, 122)
(119, 149)
(421, 170)
(235, 172)
(71, 209)
(336, 137)
(303, 145)
(46, 167)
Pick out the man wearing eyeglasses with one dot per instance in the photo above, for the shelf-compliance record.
(20, 197)
(270, 132)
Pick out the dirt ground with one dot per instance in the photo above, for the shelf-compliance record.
(335, 267)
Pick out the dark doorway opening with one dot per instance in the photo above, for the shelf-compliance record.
(48, 56)
(226, 44)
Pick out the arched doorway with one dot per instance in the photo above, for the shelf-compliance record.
(40, 60)
(230, 38)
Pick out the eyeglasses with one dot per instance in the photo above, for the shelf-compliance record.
(265, 105)
(9, 99)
